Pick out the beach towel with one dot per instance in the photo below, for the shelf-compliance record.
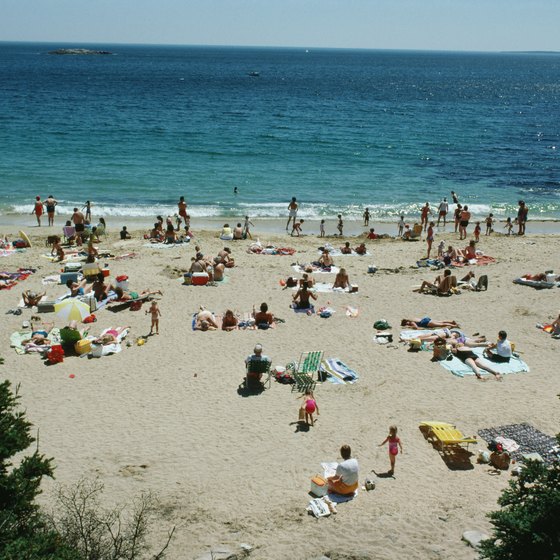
(14, 278)
(528, 438)
(10, 252)
(538, 285)
(326, 287)
(457, 367)
(257, 249)
(108, 349)
(164, 245)
(338, 372)
(481, 260)
(17, 337)
(411, 334)
(316, 269)
(309, 310)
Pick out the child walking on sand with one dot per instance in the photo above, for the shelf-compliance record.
(489, 223)
(246, 232)
(322, 228)
(477, 231)
(340, 225)
(509, 226)
(156, 314)
(400, 224)
(394, 446)
(308, 407)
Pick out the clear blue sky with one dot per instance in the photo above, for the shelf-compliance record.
(479, 25)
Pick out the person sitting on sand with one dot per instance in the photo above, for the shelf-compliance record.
(301, 298)
(225, 257)
(469, 358)
(124, 233)
(346, 249)
(110, 336)
(361, 249)
(205, 320)
(341, 280)
(170, 235)
(345, 481)
(307, 277)
(155, 233)
(198, 264)
(226, 233)
(427, 323)
(219, 269)
(263, 319)
(325, 260)
(500, 351)
(442, 284)
(238, 232)
(31, 299)
(69, 335)
(469, 252)
(100, 289)
(229, 322)
(57, 250)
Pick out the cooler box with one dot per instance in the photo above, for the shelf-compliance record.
(199, 278)
(65, 276)
(82, 346)
(73, 267)
(46, 306)
(106, 272)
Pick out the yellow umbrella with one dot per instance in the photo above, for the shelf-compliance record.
(72, 309)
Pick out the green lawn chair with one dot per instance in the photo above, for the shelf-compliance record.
(309, 365)
(257, 368)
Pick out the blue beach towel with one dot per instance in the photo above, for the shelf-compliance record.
(338, 372)
(457, 367)
(297, 310)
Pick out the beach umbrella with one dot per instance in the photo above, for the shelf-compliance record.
(72, 309)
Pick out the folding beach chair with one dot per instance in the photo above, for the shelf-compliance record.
(257, 368)
(446, 435)
(308, 365)
(69, 232)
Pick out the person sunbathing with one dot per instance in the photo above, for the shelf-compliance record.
(124, 296)
(542, 277)
(427, 323)
(100, 289)
(469, 252)
(78, 288)
(361, 249)
(229, 322)
(31, 299)
(57, 250)
(307, 277)
(341, 280)
(110, 336)
(346, 249)
(205, 320)
(301, 298)
(325, 260)
(443, 284)
(170, 235)
(6, 281)
(469, 358)
(263, 319)
(225, 257)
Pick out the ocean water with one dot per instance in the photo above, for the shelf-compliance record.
(340, 130)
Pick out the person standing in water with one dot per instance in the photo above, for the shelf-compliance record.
(50, 204)
(292, 212)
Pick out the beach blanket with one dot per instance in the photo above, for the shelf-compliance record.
(164, 245)
(259, 250)
(309, 310)
(316, 269)
(325, 287)
(338, 372)
(538, 285)
(10, 252)
(108, 349)
(18, 337)
(13, 278)
(329, 469)
(411, 334)
(481, 260)
(528, 438)
(339, 253)
(457, 367)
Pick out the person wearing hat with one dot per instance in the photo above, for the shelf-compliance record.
(257, 356)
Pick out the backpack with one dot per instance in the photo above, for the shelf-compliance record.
(381, 325)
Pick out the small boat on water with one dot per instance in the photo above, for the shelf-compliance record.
(254, 74)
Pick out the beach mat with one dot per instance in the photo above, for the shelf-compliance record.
(339, 253)
(316, 269)
(538, 285)
(338, 372)
(410, 334)
(529, 439)
(308, 311)
(457, 367)
(326, 288)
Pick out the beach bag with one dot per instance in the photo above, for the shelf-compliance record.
(415, 344)
(319, 486)
(291, 282)
(136, 305)
(381, 325)
(500, 460)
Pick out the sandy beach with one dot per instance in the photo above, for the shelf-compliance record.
(229, 468)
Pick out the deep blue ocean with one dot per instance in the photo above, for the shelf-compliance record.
(339, 129)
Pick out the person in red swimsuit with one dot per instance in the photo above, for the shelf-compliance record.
(38, 209)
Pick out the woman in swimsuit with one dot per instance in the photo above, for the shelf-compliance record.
(50, 204)
(468, 357)
(38, 209)
(464, 218)
(341, 280)
(427, 323)
(301, 298)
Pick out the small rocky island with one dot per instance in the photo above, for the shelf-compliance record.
(78, 51)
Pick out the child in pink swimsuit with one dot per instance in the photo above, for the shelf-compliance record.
(394, 446)
(308, 407)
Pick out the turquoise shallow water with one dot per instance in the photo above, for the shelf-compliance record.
(340, 130)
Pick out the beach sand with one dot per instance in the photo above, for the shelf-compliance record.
(231, 469)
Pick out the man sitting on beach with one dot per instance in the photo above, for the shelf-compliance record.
(345, 481)
(442, 284)
(257, 356)
(346, 249)
(500, 351)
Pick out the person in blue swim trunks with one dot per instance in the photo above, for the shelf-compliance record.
(427, 323)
